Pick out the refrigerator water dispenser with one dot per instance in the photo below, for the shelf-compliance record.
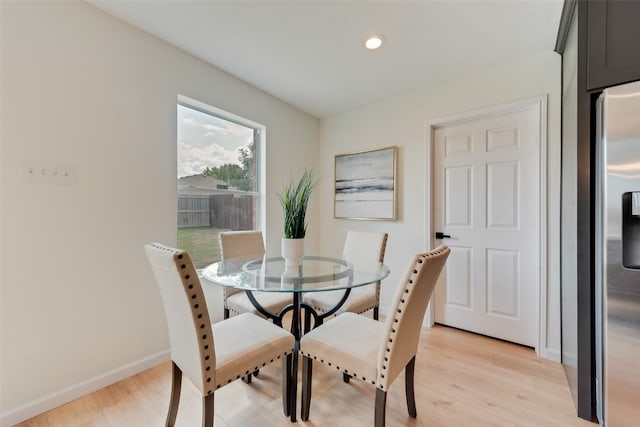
(631, 230)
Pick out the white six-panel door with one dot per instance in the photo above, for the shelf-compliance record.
(486, 192)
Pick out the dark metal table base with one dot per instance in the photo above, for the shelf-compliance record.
(296, 329)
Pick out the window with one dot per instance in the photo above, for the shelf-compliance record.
(218, 185)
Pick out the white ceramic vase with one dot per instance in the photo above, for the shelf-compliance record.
(292, 251)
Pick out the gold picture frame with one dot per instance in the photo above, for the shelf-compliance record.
(365, 185)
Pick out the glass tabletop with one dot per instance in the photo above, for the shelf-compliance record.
(315, 274)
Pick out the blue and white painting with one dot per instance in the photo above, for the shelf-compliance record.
(365, 185)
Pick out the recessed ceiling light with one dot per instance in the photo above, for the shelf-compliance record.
(375, 41)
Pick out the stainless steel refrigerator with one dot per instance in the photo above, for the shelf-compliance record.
(618, 256)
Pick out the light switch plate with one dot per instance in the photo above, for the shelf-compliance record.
(36, 172)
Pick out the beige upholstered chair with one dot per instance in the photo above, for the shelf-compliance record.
(360, 248)
(211, 356)
(247, 243)
(376, 352)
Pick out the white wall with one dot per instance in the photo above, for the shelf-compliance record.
(402, 121)
(83, 89)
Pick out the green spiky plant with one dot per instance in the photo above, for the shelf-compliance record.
(294, 199)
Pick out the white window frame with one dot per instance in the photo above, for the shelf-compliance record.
(260, 132)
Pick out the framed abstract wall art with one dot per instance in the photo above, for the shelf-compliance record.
(365, 184)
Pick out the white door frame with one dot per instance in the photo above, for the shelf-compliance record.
(540, 103)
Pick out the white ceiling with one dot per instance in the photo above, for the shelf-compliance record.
(310, 53)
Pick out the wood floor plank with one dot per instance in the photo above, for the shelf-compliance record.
(461, 379)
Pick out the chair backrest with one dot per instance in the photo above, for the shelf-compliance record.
(240, 243)
(364, 247)
(404, 321)
(190, 331)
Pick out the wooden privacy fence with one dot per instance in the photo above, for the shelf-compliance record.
(226, 211)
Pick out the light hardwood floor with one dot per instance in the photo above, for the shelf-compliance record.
(461, 379)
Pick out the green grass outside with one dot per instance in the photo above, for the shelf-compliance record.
(201, 243)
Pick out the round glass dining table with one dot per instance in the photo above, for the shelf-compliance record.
(315, 274)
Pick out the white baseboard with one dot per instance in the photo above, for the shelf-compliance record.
(73, 392)
(552, 354)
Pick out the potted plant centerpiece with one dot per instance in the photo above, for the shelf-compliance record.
(294, 199)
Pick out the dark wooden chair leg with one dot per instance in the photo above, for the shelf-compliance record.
(346, 378)
(256, 372)
(247, 378)
(286, 384)
(226, 313)
(381, 407)
(293, 393)
(307, 375)
(176, 386)
(376, 313)
(207, 411)
(408, 386)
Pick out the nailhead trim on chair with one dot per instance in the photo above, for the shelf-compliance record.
(345, 371)
(320, 310)
(201, 316)
(207, 355)
(407, 290)
(409, 338)
(238, 376)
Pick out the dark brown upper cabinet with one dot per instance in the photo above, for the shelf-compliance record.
(613, 42)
